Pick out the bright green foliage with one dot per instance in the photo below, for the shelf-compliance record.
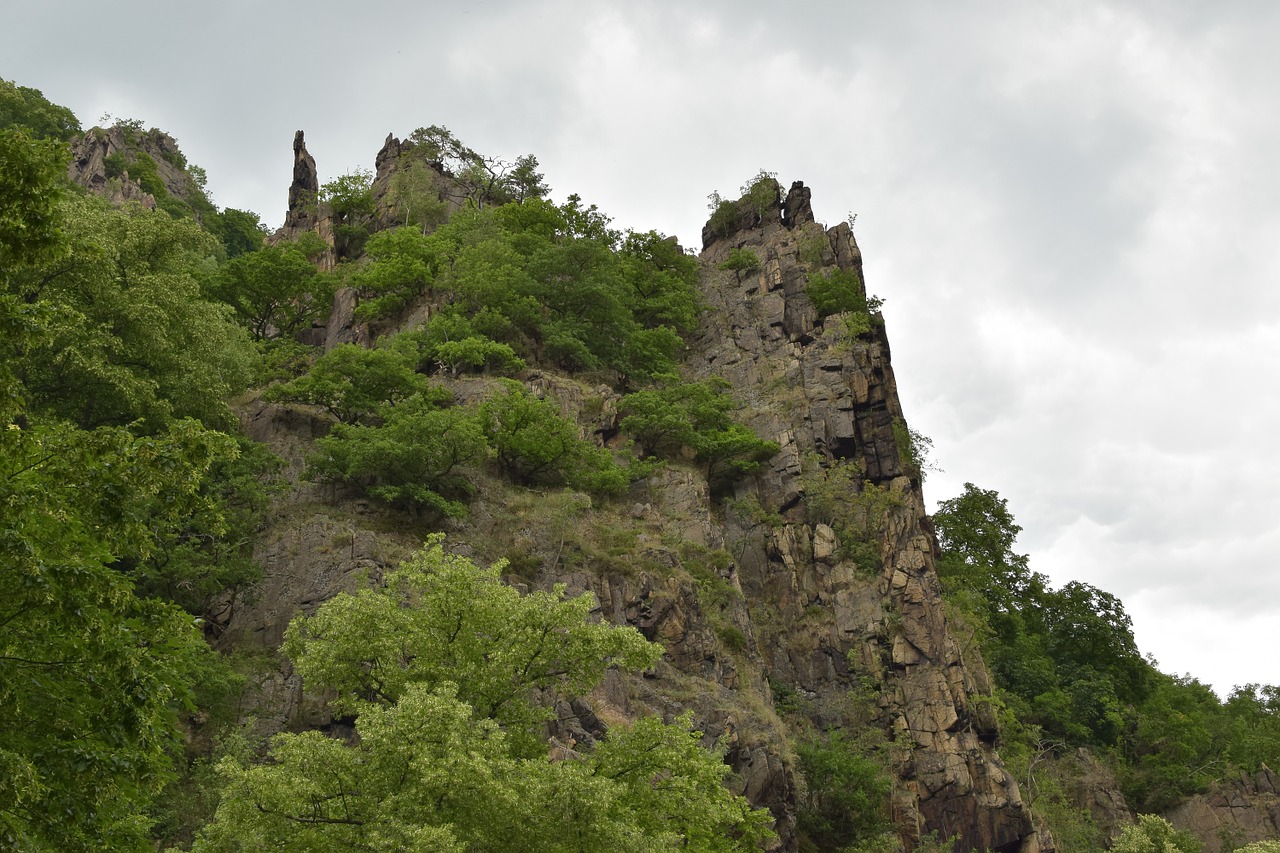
(847, 794)
(275, 290)
(449, 342)
(839, 291)
(101, 322)
(445, 668)
(29, 110)
(1260, 847)
(535, 444)
(241, 231)
(30, 194)
(761, 192)
(464, 627)
(739, 261)
(662, 281)
(412, 459)
(350, 200)
(90, 674)
(352, 382)
(402, 264)
(551, 282)
(699, 416)
(126, 334)
(1154, 834)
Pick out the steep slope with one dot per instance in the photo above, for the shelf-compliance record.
(765, 598)
(830, 398)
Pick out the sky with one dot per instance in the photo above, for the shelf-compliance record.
(1071, 210)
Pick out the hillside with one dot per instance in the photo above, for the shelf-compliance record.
(711, 448)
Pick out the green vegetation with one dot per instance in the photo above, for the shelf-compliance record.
(113, 374)
(1153, 834)
(552, 283)
(446, 672)
(28, 110)
(675, 415)
(275, 290)
(839, 291)
(855, 508)
(1070, 675)
(739, 261)
(844, 806)
(353, 383)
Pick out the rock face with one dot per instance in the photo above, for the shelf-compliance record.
(829, 397)
(1234, 812)
(89, 165)
(304, 192)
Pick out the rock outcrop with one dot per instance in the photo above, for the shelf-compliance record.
(1234, 812)
(91, 165)
(827, 395)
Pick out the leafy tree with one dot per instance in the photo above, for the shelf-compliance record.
(28, 109)
(696, 415)
(840, 291)
(91, 675)
(847, 792)
(402, 265)
(241, 231)
(412, 459)
(352, 382)
(1154, 834)
(127, 335)
(739, 261)
(663, 281)
(535, 444)
(415, 194)
(444, 667)
(350, 200)
(30, 199)
(275, 290)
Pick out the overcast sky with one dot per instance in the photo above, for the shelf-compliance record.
(1072, 210)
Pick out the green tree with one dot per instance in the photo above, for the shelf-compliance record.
(846, 797)
(1154, 834)
(445, 668)
(31, 213)
(91, 675)
(126, 333)
(699, 416)
(413, 459)
(535, 444)
(29, 109)
(275, 290)
(739, 261)
(352, 382)
(350, 200)
(839, 291)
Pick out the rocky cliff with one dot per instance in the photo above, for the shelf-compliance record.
(762, 598)
(105, 161)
